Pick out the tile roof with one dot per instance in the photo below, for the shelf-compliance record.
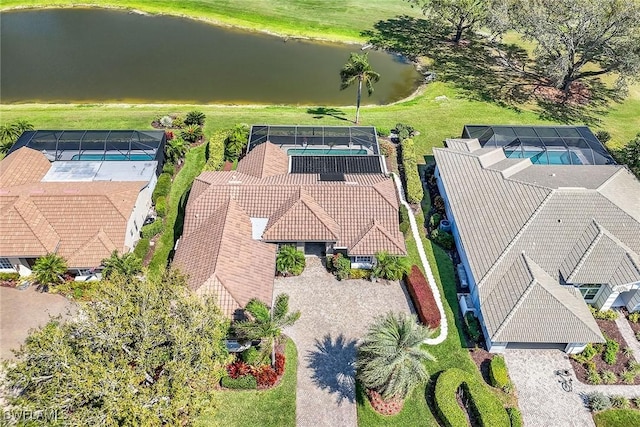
(22, 167)
(555, 222)
(264, 160)
(376, 239)
(221, 258)
(81, 221)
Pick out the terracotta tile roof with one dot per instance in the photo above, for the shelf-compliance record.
(374, 239)
(81, 221)
(23, 166)
(265, 160)
(221, 258)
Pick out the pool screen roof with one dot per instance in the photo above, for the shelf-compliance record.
(303, 136)
(72, 144)
(577, 139)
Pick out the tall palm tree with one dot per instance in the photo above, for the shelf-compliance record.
(391, 358)
(127, 265)
(391, 267)
(48, 270)
(358, 69)
(290, 260)
(266, 324)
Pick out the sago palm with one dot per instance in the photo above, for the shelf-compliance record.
(358, 69)
(391, 267)
(175, 149)
(127, 265)
(391, 358)
(290, 260)
(48, 270)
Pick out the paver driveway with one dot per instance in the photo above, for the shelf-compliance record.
(335, 315)
(21, 311)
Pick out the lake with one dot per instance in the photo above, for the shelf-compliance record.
(95, 55)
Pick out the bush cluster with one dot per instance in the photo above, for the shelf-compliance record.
(487, 408)
(169, 168)
(150, 230)
(339, 265)
(439, 206)
(598, 401)
(443, 239)
(415, 193)
(422, 298)
(472, 326)
(161, 206)
(359, 273)
(215, 151)
(383, 131)
(251, 356)
(405, 225)
(142, 248)
(387, 149)
(163, 187)
(620, 402)
(247, 382)
(404, 131)
(434, 220)
(9, 277)
(498, 372)
(515, 417)
(603, 315)
(634, 317)
(236, 141)
(587, 354)
(611, 349)
(242, 375)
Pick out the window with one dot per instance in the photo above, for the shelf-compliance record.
(363, 259)
(4, 263)
(589, 291)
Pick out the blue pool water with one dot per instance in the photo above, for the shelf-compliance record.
(112, 157)
(546, 157)
(325, 152)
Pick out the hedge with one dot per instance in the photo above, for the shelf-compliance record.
(161, 206)
(487, 408)
(142, 248)
(248, 382)
(410, 166)
(169, 168)
(515, 416)
(150, 230)
(498, 372)
(215, 151)
(163, 186)
(422, 298)
(405, 225)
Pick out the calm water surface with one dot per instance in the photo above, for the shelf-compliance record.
(110, 56)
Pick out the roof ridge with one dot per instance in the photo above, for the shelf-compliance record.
(390, 202)
(588, 252)
(308, 200)
(611, 178)
(20, 203)
(375, 225)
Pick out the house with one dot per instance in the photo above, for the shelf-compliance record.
(545, 223)
(80, 194)
(299, 191)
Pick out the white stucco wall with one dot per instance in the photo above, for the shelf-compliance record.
(21, 266)
(138, 214)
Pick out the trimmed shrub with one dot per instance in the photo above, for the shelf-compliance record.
(498, 372)
(603, 315)
(280, 363)
(359, 273)
(265, 376)
(422, 298)
(598, 401)
(215, 151)
(443, 239)
(195, 118)
(9, 277)
(487, 408)
(248, 382)
(251, 356)
(414, 190)
(161, 206)
(340, 266)
(142, 248)
(515, 417)
(405, 225)
(150, 230)
(608, 377)
(169, 168)
(472, 326)
(634, 317)
(620, 402)
(634, 367)
(610, 351)
(383, 131)
(163, 186)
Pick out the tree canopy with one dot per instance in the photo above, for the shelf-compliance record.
(580, 39)
(145, 352)
(126, 264)
(459, 16)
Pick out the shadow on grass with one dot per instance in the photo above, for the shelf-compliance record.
(333, 368)
(178, 225)
(320, 112)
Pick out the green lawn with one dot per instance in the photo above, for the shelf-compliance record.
(275, 407)
(617, 418)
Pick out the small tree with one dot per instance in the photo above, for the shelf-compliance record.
(458, 15)
(290, 260)
(266, 325)
(126, 265)
(358, 69)
(236, 141)
(391, 359)
(48, 270)
(391, 267)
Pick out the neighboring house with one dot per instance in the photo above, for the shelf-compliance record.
(61, 197)
(235, 220)
(544, 222)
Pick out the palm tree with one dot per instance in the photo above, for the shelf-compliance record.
(10, 132)
(266, 324)
(391, 358)
(175, 149)
(391, 267)
(358, 69)
(48, 270)
(290, 260)
(127, 265)
(191, 133)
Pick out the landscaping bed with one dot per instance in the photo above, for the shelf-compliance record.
(635, 326)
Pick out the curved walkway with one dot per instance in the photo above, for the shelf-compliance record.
(425, 264)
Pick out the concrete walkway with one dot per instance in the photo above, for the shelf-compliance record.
(335, 315)
(21, 311)
(629, 336)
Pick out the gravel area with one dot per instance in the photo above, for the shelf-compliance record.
(335, 315)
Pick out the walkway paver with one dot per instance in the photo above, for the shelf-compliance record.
(629, 336)
(335, 315)
(21, 311)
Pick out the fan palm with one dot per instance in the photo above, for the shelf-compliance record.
(48, 270)
(391, 358)
(127, 265)
(175, 149)
(290, 260)
(358, 69)
(266, 324)
(10, 132)
(391, 267)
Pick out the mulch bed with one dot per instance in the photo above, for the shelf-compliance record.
(8, 283)
(384, 407)
(482, 358)
(634, 326)
(610, 329)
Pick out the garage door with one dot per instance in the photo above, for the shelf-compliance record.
(536, 346)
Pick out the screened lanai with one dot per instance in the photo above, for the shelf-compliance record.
(548, 145)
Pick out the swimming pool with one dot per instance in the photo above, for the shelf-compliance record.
(326, 152)
(546, 157)
(112, 157)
